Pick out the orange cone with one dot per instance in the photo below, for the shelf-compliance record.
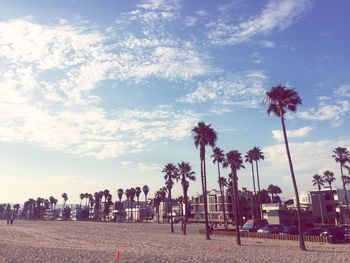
(117, 255)
(218, 248)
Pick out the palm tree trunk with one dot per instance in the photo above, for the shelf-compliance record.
(319, 200)
(301, 237)
(171, 212)
(258, 181)
(253, 214)
(186, 212)
(334, 205)
(346, 195)
(205, 201)
(236, 208)
(222, 196)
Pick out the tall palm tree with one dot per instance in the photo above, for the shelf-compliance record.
(82, 196)
(318, 180)
(138, 191)
(257, 156)
(204, 135)
(132, 198)
(185, 174)
(145, 190)
(65, 198)
(342, 156)
(218, 158)
(249, 158)
(281, 100)
(170, 174)
(127, 194)
(234, 162)
(329, 178)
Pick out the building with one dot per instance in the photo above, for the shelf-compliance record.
(247, 207)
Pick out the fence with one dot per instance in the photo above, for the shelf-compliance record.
(230, 232)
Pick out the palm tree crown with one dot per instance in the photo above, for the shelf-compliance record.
(281, 100)
(204, 135)
(218, 155)
(328, 177)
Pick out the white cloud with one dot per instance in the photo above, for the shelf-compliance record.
(277, 14)
(245, 89)
(343, 91)
(149, 167)
(302, 132)
(49, 75)
(153, 12)
(334, 112)
(308, 157)
(190, 21)
(268, 44)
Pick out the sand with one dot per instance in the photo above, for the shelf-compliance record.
(28, 241)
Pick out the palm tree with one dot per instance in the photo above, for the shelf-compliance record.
(65, 198)
(224, 183)
(204, 135)
(162, 195)
(249, 158)
(120, 193)
(145, 190)
(271, 191)
(318, 180)
(257, 156)
(157, 203)
(127, 194)
(235, 162)
(52, 200)
(185, 174)
(342, 156)
(329, 178)
(218, 158)
(138, 191)
(82, 196)
(170, 174)
(132, 197)
(98, 197)
(281, 100)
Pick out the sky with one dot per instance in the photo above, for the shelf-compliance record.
(102, 94)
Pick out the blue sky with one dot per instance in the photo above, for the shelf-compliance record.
(102, 94)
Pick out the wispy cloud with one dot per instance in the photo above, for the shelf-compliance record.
(333, 108)
(245, 89)
(302, 132)
(49, 77)
(277, 15)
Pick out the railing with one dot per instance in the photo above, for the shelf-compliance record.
(319, 239)
(230, 232)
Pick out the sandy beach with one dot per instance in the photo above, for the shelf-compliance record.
(28, 241)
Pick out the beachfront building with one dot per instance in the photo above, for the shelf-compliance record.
(327, 207)
(162, 212)
(248, 206)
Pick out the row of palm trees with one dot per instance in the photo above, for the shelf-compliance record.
(280, 100)
(182, 173)
(342, 156)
